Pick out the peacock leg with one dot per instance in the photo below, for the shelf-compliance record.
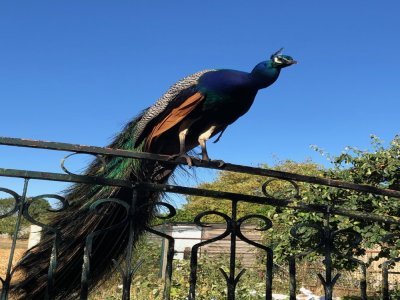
(203, 138)
(183, 131)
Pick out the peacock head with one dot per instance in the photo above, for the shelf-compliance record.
(278, 60)
(265, 73)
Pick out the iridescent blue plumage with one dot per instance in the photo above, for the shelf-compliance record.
(223, 96)
(220, 98)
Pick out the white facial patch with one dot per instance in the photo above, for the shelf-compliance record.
(277, 60)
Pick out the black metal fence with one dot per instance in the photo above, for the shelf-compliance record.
(233, 231)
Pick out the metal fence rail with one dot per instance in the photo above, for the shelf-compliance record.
(233, 222)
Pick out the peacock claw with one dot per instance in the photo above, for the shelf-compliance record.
(189, 159)
(220, 162)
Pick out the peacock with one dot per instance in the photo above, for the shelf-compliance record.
(192, 111)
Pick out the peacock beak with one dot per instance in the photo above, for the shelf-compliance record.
(288, 63)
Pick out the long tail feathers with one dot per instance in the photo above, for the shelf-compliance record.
(77, 222)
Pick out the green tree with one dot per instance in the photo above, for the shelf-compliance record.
(244, 184)
(38, 210)
(379, 167)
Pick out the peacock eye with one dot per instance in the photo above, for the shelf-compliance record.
(277, 60)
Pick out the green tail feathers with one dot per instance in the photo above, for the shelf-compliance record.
(78, 221)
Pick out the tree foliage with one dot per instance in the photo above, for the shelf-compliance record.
(244, 184)
(38, 210)
(379, 167)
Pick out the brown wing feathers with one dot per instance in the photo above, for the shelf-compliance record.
(174, 117)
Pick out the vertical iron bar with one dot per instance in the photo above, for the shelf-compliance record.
(127, 278)
(87, 250)
(170, 257)
(385, 281)
(6, 283)
(231, 284)
(328, 282)
(193, 274)
(328, 257)
(363, 281)
(52, 268)
(86, 268)
(385, 277)
(168, 271)
(269, 275)
(161, 272)
(292, 280)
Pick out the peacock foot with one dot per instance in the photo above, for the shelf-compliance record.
(189, 159)
(220, 163)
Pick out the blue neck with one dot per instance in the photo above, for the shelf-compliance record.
(264, 74)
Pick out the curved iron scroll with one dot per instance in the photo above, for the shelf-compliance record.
(21, 208)
(269, 253)
(233, 229)
(100, 158)
(327, 238)
(294, 194)
(195, 248)
(16, 209)
(17, 200)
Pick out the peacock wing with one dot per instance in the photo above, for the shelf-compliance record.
(169, 104)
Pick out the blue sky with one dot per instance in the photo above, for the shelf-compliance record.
(76, 71)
